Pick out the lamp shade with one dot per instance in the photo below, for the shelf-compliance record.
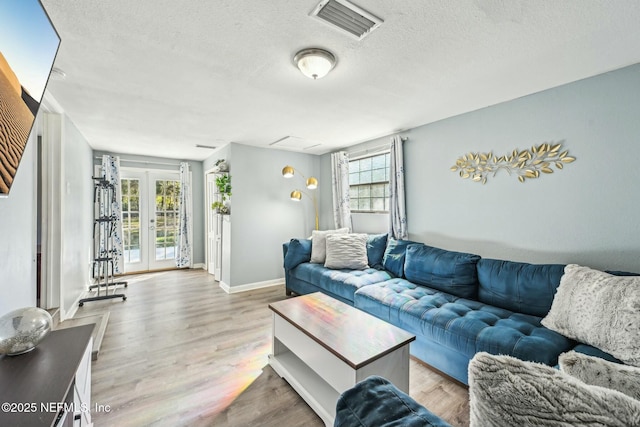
(312, 183)
(296, 195)
(314, 63)
(287, 171)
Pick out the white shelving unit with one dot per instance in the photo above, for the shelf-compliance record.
(223, 233)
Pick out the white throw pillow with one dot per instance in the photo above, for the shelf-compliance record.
(598, 309)
(603, 373)
(347, 251)
(319, 244)
(506, 392)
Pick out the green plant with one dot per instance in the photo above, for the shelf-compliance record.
(223, 182)
(220, 207)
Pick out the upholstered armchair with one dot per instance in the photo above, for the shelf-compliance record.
(585, 391)
(507, 392)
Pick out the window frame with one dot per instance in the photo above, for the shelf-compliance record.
(385, 196)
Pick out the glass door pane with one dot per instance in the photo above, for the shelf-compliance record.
(166, 215)
(149, 219)
(131, 219)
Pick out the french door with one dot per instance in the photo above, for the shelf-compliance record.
(150, 202)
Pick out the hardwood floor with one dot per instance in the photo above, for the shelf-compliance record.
(182, 352)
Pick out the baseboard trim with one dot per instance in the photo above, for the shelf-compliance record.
(250, 286)
(65, 315)
(199, 265)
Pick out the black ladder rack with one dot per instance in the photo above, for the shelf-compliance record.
(104, 224)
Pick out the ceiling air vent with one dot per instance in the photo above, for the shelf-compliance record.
(347, 17)
(294, 143)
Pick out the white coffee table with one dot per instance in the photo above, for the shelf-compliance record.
(323, 347)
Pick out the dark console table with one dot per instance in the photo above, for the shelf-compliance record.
(51, 385)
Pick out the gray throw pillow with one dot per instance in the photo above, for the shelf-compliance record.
(596, 371)
(598, 309)
(506, 392)
(319, 244)
(347, 251)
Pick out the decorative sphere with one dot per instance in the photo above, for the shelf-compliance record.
(22, 330)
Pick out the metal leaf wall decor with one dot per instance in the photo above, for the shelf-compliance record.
(525, 164)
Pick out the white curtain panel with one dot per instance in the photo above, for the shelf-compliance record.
(111, 174)
(397, 206)
(340, 186)
(184, 250)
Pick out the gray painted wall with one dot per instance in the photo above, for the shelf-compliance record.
(18, 231)
(262, 214)
(585, 213)
(197, 186)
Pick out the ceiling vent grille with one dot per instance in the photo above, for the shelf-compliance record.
(294, 143)
(347, 17)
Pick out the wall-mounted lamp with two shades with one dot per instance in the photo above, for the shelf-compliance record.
(311, 184)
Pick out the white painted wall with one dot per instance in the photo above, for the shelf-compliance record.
(18, 231)
(586, 213)
(372, 223)
(76, 216)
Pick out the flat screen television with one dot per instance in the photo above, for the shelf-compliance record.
(28, 47)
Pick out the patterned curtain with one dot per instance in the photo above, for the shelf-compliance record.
(184, 250)
(340, 185)
(111, 174)
(397, 206)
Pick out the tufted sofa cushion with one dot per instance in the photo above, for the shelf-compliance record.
(339, 282)
(464, 325)
(525, 288)
(449, 271)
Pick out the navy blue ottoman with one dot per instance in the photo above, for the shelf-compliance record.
(375, 402)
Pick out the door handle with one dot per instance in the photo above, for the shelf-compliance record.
(152, 227)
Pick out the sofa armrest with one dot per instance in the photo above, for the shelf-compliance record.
(295, 252)
(375, 402)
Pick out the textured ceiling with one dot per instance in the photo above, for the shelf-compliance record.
(157, 77)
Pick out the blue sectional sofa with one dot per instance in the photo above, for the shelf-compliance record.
(457, 304)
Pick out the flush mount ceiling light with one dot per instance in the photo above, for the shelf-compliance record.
(314, 63)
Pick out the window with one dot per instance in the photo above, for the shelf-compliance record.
(369, 183)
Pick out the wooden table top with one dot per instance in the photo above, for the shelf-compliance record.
(42, 376)
(355, 337)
